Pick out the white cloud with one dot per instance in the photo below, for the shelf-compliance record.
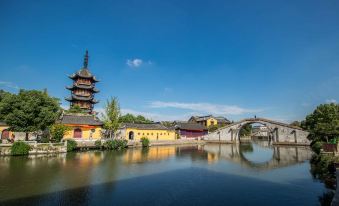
(331, 101)
(134, 63)
(9, 85)
(206, 108)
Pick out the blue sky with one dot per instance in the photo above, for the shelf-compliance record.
(171, 59)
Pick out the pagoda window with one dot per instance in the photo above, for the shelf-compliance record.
(82, 92)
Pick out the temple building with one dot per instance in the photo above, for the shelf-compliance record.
(189, 130)
(209, 120)
(152, 131)
(83, 88)
(84, 125)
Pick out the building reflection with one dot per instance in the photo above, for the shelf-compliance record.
(140, 155)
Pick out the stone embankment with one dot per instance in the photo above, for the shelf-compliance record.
(37, 148)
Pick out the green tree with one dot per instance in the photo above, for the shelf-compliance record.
(75, 109)
(323, 123)
(213, 128)
(111, 116)
(58, 131)
(29, 111)
(296, 124)
(130, 118)
(246, 130)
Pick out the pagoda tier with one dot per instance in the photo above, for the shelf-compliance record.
(76, 98)
(83, 88)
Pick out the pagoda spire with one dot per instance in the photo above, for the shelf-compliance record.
(86, 60)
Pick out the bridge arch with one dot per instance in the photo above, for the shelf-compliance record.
(279, 132)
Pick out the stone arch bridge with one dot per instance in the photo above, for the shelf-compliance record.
(278, 132)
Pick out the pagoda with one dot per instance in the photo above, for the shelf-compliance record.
(83, 88)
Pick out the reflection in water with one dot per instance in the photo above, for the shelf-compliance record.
(45, 177)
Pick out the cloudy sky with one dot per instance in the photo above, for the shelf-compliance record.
(171, 59)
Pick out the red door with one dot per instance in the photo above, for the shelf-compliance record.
(77, 133)
(5, 134)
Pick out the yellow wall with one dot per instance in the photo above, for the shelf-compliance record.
(86, 131)
(151, 154)
(151, 134)
(210, 120)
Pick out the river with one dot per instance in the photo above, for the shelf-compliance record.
(213, 174)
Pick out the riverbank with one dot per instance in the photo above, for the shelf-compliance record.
(36, 148)
(52, 148)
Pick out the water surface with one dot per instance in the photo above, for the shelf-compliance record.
(211, 174)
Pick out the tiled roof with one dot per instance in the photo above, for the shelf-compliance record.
(80, 119)
(151, 126)
(84, 73)
(190, 126)
(81, 98)
(203, 118)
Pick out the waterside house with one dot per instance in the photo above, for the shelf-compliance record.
(209, 120)
(189, 130)
(152, 131)
(83, 126)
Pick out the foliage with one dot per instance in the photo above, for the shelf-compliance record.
(71, 145)
(130, 118)
(316, 147)
(75, 109)
(213, 128)
(246, 130)
(334, 140)
(167, 123)
(116, 144)
(111, 116)
(322, 167)
(323, 123)
(20, 148)
(296, 124)
(58, 131)
(29, 111)
(97, 143)
(246, 147)
(145, 141)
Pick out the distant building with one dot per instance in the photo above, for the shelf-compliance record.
(259, 131)
(209, 120)
(83, 88)
(153, 131)
(83, 126)
(190, 130)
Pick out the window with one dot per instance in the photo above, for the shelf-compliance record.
(147, 134)
(151, 133)
(138, 133)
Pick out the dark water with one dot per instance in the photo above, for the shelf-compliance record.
(213, 174)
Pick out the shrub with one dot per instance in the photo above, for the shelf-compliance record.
(145, 141)
(58, 131)
(71, 145)
(317, 146)
(115, 144)
(20, 148)
(97, 143)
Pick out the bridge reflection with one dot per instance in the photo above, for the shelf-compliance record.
(281, 156)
